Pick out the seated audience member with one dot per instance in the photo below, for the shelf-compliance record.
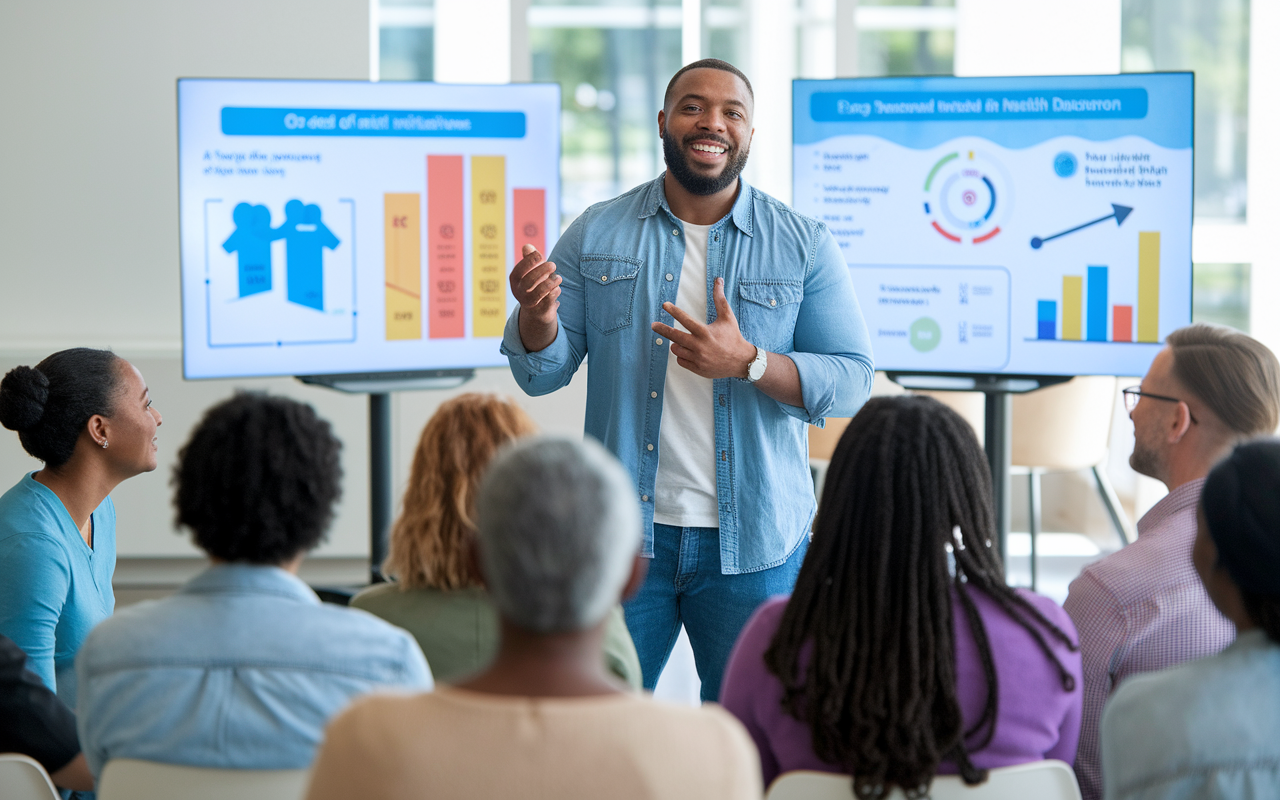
(34, 722)
(1144, 609)
(88, 416)
(244, 666)
(558, 535)
(1211, 728)
(437, 596)
(902, 653)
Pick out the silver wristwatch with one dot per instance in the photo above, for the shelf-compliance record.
(755, 370)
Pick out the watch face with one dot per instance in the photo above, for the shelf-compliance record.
(756, 371)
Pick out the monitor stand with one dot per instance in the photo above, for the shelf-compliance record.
(998, 427)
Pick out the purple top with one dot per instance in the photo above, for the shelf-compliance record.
(1036, 718)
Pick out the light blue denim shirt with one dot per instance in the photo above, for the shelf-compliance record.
(789, 287)
(242, 668)
(1206, 728)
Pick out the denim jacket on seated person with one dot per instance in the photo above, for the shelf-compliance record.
(789, 286)
(242, 668)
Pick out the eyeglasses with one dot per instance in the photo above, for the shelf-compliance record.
(1134, 393)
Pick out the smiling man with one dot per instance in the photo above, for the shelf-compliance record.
(720, 323)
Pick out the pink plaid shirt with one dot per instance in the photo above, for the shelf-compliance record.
(1141, 609)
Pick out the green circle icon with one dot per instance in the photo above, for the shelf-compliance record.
(925, 334)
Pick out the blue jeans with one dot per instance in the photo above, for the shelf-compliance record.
(684, 586)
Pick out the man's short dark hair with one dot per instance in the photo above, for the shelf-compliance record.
(258, 478)
(707, 63)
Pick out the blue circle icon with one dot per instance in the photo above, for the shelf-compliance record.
(1064, 164)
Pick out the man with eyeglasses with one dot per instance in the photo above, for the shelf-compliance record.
(1144, 608)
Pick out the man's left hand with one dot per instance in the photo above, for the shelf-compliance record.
(711, 351)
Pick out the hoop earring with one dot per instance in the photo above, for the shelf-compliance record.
(104, 444)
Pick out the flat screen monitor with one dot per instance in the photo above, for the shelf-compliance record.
(338, 227)
(1006, 226)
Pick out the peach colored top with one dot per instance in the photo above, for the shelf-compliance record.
(459, 744)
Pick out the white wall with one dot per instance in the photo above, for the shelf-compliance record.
(88, 218)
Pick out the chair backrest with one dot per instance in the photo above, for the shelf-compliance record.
(1038, 780)
(1064, 427)
(22, 778)
(129, 779)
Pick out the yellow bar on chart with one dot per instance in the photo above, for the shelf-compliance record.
(1149, 286)
(402, 246)
(1072, 294)
(489, 248)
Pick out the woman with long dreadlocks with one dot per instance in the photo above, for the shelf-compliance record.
(902, 652)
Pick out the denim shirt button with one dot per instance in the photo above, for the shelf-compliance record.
(644, 498)
(654, 395)
(670, 277)
(648, 447)
(658, 340)
(675, 231)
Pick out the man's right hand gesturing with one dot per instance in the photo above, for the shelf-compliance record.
(536, 286)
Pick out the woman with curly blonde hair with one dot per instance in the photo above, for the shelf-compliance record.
(437, 595)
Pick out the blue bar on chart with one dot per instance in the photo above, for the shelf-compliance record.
(1097, 305)
(1046, 319)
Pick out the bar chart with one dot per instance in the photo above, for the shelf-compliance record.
(445, 264)
(449, 241)
(488, 248)
(403, 251)
(1087, 313)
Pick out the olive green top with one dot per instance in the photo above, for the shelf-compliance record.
(458, 630)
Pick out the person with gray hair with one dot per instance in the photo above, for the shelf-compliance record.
(558, 540)
(1144, 608)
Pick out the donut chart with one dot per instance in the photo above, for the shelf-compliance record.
(967, 195)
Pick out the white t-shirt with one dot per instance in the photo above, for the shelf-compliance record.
(685, 489)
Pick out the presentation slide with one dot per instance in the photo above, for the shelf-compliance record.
(1024, 226)
(333, 227)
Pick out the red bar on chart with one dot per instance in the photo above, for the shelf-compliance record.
(1122, 323)
(530, 218)
(446, 312)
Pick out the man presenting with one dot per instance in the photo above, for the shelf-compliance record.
(755, 306)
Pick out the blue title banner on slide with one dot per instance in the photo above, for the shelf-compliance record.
(1013, 112)
(1118, 103)
(240, 121)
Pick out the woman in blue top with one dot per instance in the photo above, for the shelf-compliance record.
(87, 415)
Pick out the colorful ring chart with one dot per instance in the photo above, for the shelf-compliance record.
(966, 197)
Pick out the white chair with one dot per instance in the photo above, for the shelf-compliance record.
(22, 778)
(129, 779)
(1039, 780)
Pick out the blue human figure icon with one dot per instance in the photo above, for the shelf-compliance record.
(305, 237)
(251, 242)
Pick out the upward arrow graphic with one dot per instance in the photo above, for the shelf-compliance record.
(1117, 211)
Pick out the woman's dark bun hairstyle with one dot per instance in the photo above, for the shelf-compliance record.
(49, 404)
(23, 393)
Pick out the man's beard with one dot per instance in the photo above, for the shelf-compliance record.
(697, 184)
(1145, 460)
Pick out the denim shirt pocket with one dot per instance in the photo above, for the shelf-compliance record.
(610, 289)
(769, 311)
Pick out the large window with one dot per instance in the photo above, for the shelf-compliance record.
(906, 37)
(612, 62)
(406, 50)
(1210, 37)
